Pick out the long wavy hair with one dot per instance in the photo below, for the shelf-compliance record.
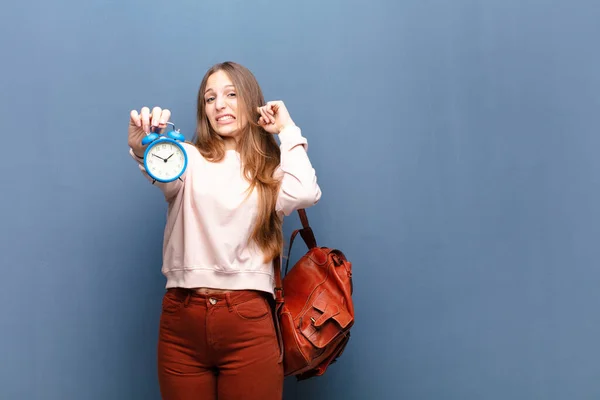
(260, 154)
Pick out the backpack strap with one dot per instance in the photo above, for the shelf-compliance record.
(308, 237)
(306, 232)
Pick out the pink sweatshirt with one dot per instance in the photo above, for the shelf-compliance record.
(209, 220)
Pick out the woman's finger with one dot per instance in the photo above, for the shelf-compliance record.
(274, 105)
(265, 112)
(269, 119)
(156, 113)
(134, 118)
(263, 117)
(271, 114)
(165, 116)
(145, 118)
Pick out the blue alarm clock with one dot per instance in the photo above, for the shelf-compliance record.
(165, 159)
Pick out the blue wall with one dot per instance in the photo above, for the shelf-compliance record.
(456, 144)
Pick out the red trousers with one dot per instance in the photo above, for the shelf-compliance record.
(218, 346)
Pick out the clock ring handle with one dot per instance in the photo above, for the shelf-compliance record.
(175, 134)
(158, 128)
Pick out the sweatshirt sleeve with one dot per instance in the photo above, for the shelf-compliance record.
(169, 189)
(299, 188)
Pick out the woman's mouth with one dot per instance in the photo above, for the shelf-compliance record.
(225, 119)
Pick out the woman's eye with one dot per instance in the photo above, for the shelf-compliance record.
(231, 95)
(209, 99)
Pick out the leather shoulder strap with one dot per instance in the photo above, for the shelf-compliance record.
(303, 218)
(306, 232)
(309, 238)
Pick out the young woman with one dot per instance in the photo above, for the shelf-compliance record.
(217, 338)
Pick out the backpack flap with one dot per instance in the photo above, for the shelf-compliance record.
(325, 321)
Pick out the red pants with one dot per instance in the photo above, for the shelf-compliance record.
(218, 346)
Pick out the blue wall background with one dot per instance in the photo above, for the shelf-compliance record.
(456, 144)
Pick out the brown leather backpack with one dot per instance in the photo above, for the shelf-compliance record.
(313, 306)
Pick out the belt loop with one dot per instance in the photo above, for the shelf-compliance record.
(187, 298)
(228, 299)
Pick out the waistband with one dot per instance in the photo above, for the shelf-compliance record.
(219, 298)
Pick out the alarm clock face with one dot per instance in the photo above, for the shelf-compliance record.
(165, 160)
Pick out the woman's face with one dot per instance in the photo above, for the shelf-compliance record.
(221, 105)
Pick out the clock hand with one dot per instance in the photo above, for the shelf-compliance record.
(158, 157)
(169, 157)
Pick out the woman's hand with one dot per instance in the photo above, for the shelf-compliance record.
(274, 117)
(143, 123)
